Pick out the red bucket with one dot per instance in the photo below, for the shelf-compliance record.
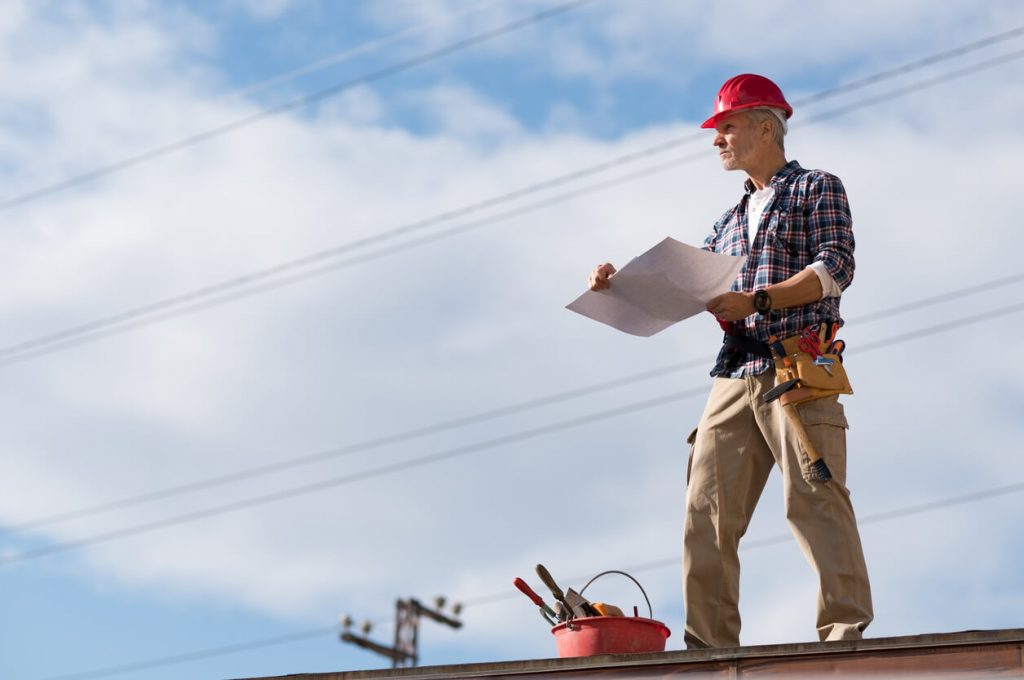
(593, 635)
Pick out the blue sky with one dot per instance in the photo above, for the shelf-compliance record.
(467, 323)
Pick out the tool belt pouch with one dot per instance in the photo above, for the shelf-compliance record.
(815, 380)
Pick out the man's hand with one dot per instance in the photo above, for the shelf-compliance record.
(732, 306)
(599, 277)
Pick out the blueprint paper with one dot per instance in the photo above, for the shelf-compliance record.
(670, 282)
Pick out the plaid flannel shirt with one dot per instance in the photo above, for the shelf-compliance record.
(807, 220)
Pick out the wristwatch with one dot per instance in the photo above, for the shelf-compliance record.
(762, 302)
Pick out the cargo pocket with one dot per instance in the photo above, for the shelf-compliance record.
(826, 425)
(692, 441)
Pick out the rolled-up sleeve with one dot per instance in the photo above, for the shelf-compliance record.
(830, 227)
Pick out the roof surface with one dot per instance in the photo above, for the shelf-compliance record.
(997, 653)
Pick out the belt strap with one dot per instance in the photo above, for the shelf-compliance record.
(745, 345)
(735, 349)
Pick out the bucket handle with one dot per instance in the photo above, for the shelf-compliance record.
(650, 612)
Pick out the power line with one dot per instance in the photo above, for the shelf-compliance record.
(421, 461)
(938, 299)
(198, 654)
(341, 451)
(403, 34)
(909, 67)
(136, 318)
(263, 280)
(327, 254)
(493, 598)
(950, 325)
(430, 56)
(445, 425)
(915, 87)
(876, 518)
(334, 482)
(305, 100)
(359, 50)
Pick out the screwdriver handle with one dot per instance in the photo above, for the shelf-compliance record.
(528, 591)
(545, 576)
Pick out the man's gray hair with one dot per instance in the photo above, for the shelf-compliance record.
(774, 115)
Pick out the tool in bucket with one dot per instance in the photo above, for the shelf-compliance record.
(592, 635)
(808, 366)
(575, 604)
(547, 612)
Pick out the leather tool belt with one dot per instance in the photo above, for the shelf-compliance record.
(799, 377)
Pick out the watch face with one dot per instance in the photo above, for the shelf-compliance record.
(762, 303)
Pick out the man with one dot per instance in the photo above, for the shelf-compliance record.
(794, 226)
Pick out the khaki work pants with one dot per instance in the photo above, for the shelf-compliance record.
(739, 440)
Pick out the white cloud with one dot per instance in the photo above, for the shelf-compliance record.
(466, 324)
(459, 112)
(359, 106)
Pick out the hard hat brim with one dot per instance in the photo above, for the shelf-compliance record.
(712, 122)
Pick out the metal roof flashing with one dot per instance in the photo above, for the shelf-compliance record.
(967, 653)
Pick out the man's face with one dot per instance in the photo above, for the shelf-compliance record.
(736, 139)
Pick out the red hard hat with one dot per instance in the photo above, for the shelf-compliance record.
(747, 91)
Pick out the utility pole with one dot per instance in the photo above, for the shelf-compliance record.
(405, 651)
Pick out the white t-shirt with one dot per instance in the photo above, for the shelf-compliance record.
(756, 204)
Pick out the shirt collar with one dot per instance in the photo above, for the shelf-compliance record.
(783, 174)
